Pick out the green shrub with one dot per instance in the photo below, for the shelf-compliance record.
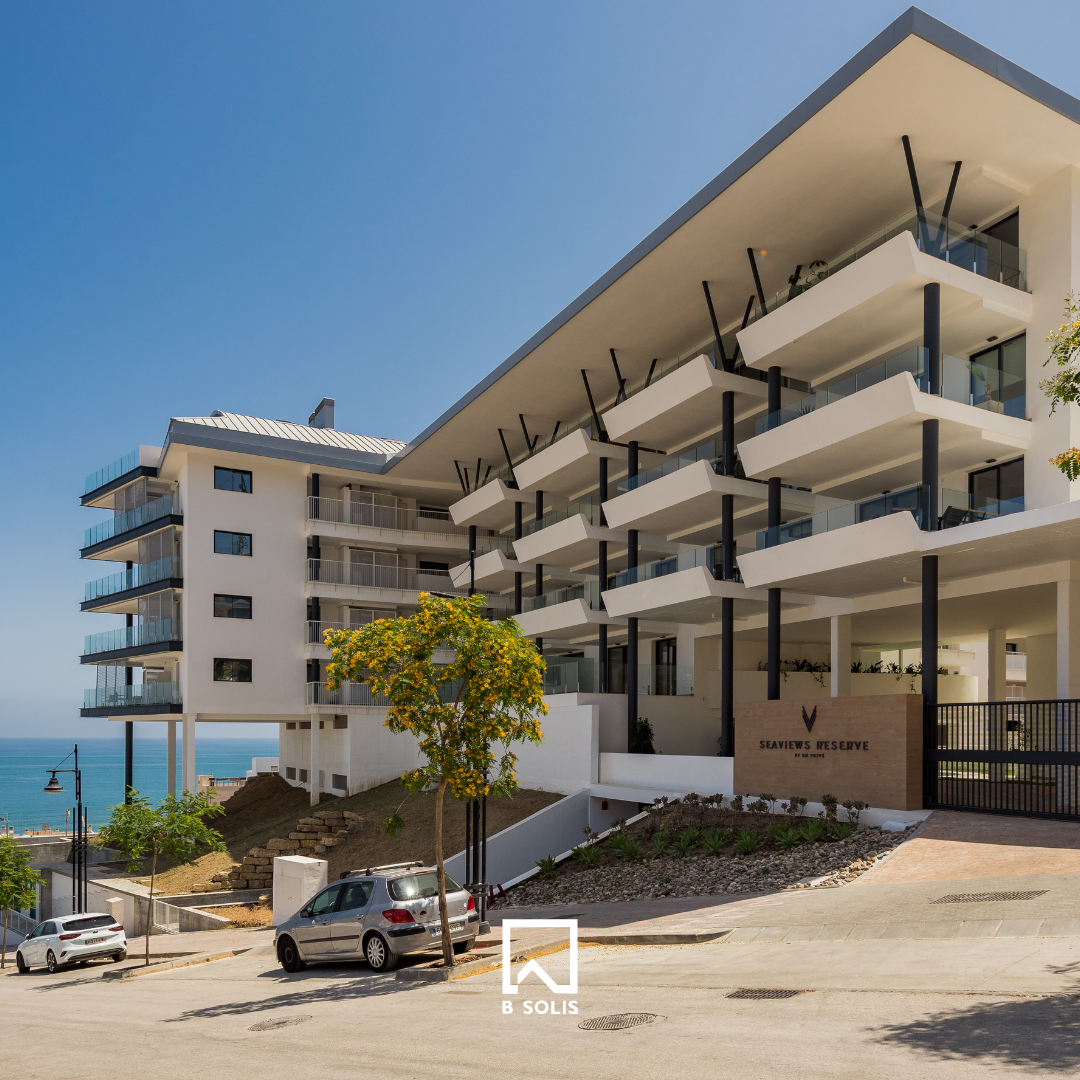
(660, 845)
(854, 809)
(585, 854)
(812, 831)
(842, 830)
(625, 847)
(692, 834)
(747, 841)
(784, 835)
(546, 866)
(715, 840)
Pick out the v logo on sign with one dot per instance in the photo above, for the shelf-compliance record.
(809, 720)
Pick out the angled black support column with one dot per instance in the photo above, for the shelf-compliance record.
(472, 560)
(518, 530)
(774, 597)
(601, 559)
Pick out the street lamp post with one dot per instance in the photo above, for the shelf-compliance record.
(79, 876)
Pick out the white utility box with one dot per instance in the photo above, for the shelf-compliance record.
(296, 881)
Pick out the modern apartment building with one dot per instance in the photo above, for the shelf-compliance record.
(792, 445)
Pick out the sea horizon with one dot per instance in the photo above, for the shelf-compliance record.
(25, 765)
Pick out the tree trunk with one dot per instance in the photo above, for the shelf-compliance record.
(3, 948)
(444, 917)
(150, 907)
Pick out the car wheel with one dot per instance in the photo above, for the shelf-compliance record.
(54, 967)
(289, 956)
(118, 956)
(378, 954)
(464, 946)
(21, 964)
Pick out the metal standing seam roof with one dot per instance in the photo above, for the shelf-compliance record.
(286, 429)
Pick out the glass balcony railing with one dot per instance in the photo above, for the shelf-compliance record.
(664, 680)
(160, 693)
(710, 557)
(133, 519)
(139, 575)
(955, 508)
(570, 675)
(944, 239)
(371, 515)
(708, 451)
(486, 544)
(133, 637)
(589, 591)
(112, 471)
(588, 508)
(961, 380)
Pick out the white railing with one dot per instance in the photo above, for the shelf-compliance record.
(373, 516)
(347, 694)
(166, 917)
(17, 922)
(366, 575)
(313, 631)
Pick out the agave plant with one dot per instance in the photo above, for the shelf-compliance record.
(659, 845)
(842, 830)
(546, 866)
(747, 840)
(784, 835)
(585, 854)
(812, 830)
(625, 847)
(714, 841)
(691, 834)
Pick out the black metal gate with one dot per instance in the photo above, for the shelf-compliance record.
(1003, 757)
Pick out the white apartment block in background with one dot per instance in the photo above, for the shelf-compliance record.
(790, 446)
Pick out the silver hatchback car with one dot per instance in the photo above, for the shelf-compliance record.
(377, 914)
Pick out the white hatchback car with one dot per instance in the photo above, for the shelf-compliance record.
(72, 939)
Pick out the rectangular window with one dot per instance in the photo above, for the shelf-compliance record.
(226, 670)
(291, 725)
(303, 776)
(231, 607)
(341, 722)
(438, 567)
(339, 781)
(231, 543)
(305, 725)
(232, 480)
(290, 773)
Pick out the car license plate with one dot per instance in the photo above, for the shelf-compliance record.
(436, 931)
(95, 940)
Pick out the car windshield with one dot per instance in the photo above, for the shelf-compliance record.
(416, 886)
(91, 922)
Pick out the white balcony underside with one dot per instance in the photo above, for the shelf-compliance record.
(683, 405)
(876, 304)
(690, 596)
(494, 570)
(572, 542)
(561, 620)
(686, 506)
(391, 539)
(492, 506)
(569, 466)
(873, 440)
(886, 553)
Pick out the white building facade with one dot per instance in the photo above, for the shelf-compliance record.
(791, 446)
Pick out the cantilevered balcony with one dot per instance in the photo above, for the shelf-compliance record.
(116, 533)
(495, 566)
(567, 465)
(685, 405)
(427, 530)
(382, 578)
(126, 585)
(683, 499)
(100, 484)
(565, 614)
(860, 311)
(872, 438)
(159, 636)
(348, 695)
(491, 504)
(143, 699)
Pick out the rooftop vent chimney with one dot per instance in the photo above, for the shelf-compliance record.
(323, 416)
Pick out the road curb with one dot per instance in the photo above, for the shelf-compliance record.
(169, 965)
(435, 973)
(689, 937)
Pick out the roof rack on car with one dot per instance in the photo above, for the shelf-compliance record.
(380, 869)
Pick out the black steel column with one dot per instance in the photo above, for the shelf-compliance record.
(538, 585)
(476, 841)
(774, 395)
(129, 726)
(727, 603)
(517, 574)
(468, 842)
(472, 559)
(602, 573)
(483, 859)
(631, 623)
(930, 429)
(932, 334)
(930, 466)
(774, 594)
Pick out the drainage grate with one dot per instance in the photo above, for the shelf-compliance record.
(617, 1021)
(280, 1022)
(987, 897)
(761, 995)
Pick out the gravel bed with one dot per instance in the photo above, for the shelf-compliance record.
(820, 865)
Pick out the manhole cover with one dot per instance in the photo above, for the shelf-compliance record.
(987, 897)
(280, 1022)
(762, 995)
(617, 1021)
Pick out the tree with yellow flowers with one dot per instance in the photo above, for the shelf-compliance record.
(490, 694)
(1064, 386)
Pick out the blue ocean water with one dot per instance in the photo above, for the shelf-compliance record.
(25, 764)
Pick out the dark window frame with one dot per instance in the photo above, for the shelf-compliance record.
(343, 786)
(229, 532)
(231, 597)
(222, 660)
(233, 474)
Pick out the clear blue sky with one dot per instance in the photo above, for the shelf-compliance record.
(248, 205)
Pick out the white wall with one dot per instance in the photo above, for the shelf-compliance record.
(705, 775)
(566, 760)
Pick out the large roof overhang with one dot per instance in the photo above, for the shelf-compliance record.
(829, 174)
